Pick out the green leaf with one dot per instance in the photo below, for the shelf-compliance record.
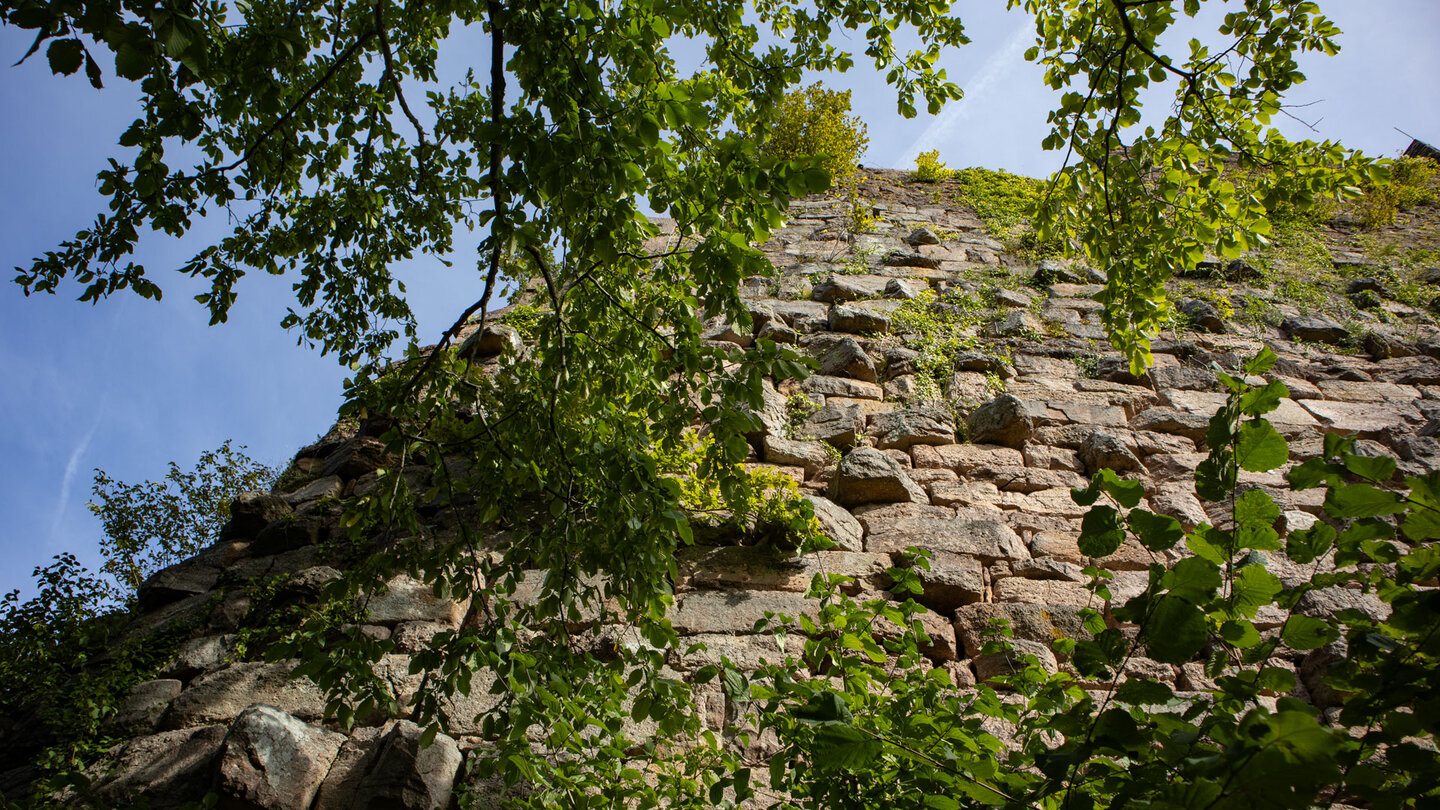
(1175, 632)
(1263, 400)
(1214, 479)
(1361, 500)
(1306, 545)
(1256, 506)
(1253, 588)
(1374, 468)
(1308, 633)
(839, 746)
(1193, 578)
(1265, 359)
(65, 55)
(1312, 473)
(1143, 692)
(1126, 493)
(824, 708)
(1260, 448)
(1240, 633)
(1209, 543)
(1156, 532)
(1101, 532)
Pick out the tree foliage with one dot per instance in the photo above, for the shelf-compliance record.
(150, 525)
(328, 138)
(68, 654)
(816, 121)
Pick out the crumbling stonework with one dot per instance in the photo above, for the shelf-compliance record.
(979, 475)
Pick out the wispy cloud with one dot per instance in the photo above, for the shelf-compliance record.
(1000, 64)
(72, 466)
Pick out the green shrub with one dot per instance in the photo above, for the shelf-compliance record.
(1412, 182)
(816, 122)
(929, 168)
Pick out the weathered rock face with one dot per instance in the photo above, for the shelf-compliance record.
(972, 462)
(1003, 420)
(272, 761)
(866, 475)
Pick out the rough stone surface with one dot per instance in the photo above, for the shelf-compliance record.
(408, 600)
(167, 770)
(837, 524)
(847, 359)
(407, 776)
(1101, 450)
(984, 539)
(145, 705)
(856, 320)
(810, 455)
(220, 696)
(272, 761)
(836, 424)
(866, 475)
(930, 424)
(1003, 420)
(1313, 329)
(493, 339)
(252, 511)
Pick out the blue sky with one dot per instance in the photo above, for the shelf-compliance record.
(129, 385)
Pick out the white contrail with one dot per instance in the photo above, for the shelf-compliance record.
(1000, 63)
(69, 478)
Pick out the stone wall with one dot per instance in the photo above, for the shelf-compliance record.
(981, 477)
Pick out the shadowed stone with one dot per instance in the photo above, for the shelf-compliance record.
(847, 359)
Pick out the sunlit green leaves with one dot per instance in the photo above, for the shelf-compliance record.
(1308, 632)
(1259, 447)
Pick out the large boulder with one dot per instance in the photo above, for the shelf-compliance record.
(1313, 329)
(144, 706)
(406, 775)
(1003, 420)
(494, 339)
(1203, 315)
(811, 455)
(836, 424)
(220, 696)
(866, 475)
(167, 771)
(837, 524)
(983, 539)
(272, 761)
(406, 600)
(838, 290)
(252, 511)
(188, 578)
(1101, 450)
(901, 430)
(857, 320)
(847, 359)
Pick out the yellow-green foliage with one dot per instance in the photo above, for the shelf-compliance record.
(525, 318)
(817, 121)
(938, 330)
(1413, 181)
(767, 501)
(929, 168)
(1003, 200)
